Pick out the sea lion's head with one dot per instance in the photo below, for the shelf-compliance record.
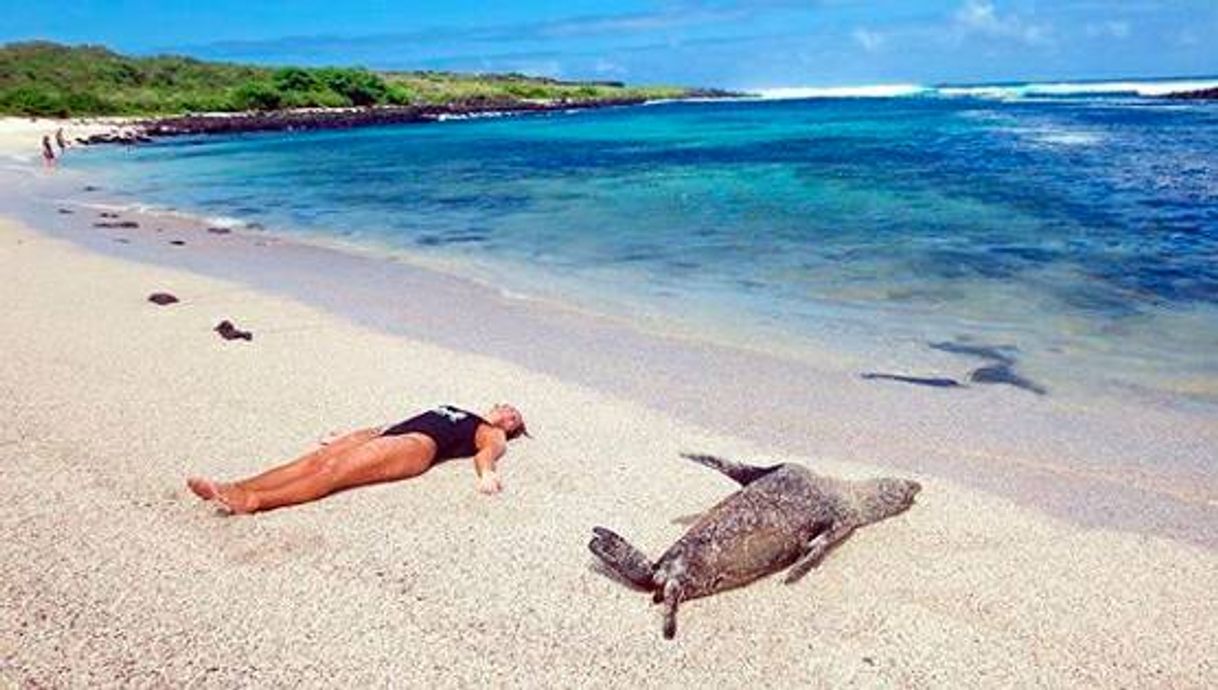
(887, 496)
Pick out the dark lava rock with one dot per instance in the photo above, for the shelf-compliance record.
(915, 380)
(107, 214)
(117, 224)
(177, 242)
(228, 331)
(162, 298)
(90, 188)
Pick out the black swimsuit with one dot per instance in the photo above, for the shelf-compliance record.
(452, 429)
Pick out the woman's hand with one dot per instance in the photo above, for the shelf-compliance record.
(488, 483)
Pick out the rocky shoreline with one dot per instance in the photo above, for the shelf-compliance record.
(143, 131)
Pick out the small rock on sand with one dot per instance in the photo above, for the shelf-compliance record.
(117, 224)
(66, 211)
(228, 331)
(177, 242)
(163, 298)
(219, 231)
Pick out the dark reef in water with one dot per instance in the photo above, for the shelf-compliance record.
(1001, 368)
(1002, 373)
(915, 380)
(995, 353)
(1210, 94)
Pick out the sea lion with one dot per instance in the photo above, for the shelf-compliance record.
(785, 515)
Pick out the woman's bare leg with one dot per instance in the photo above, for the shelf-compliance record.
(288, 472)
(381, 459)
(303, 466)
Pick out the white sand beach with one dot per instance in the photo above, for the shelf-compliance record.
(113, 574)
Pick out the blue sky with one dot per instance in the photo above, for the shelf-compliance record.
(732, 43)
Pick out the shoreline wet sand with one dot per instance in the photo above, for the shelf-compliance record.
(114, 574)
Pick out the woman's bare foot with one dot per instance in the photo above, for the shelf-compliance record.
(202, 487)
(228, 498)
(234, 501)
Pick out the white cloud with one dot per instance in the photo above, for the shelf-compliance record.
(1187, 39)
(1108, 29)
(871, 41)
(981, 17)
(604, 66)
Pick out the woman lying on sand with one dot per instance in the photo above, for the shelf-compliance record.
(379, 454)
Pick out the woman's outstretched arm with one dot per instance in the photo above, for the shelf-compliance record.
(484, 464)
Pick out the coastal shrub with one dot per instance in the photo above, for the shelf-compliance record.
(202, 102)
(87, 102)
(359, 86)
(398, 94)
(257, 95)
(295, 79)
(48, 79)
(34, 101)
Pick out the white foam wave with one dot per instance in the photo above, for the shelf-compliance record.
(1144, 89)
(871, 91)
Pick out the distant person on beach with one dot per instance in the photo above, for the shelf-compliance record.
(48, 153)
(379, 454)
(59, 140)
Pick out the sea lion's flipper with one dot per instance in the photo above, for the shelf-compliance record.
(817, 548)
(672, 598)
(743, 474)
(622, 558)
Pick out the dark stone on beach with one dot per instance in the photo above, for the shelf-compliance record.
(117, 224)
(228, 331)
(66, 211)
(1198, 95)
(162, 298)
(178, 243)
(90, 188)
(1002, 373)
(122, 240)
(994, 353)
(107, 214)
(219, 231)
(915, 380)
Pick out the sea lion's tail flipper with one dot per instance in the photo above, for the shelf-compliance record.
(625, 560)
(744, 474)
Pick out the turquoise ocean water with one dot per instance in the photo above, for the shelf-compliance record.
(1079, 228)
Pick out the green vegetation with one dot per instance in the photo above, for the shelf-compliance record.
(48, 79)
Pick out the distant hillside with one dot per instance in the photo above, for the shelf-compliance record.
(49, 79)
